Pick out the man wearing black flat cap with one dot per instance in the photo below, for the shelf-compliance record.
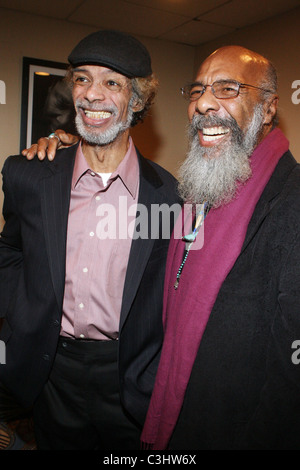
(81, 295)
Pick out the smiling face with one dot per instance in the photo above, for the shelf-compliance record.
(102, 102)
(224, 132)
(237, 64)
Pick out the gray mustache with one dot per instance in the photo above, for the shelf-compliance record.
(199, 122)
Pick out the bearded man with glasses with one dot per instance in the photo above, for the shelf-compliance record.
(227, 378)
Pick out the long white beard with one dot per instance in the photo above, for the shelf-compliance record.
(212, 174)
(93, 136)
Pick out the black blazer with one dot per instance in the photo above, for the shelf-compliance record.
(244, 390)
(32, 278)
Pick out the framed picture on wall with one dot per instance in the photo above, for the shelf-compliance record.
(46, 100)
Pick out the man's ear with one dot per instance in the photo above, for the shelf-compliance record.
(138, 105)
(271, 108)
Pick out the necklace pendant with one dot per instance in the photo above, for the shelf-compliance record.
(189, 238)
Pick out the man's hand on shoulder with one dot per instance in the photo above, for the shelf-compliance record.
(47, 146)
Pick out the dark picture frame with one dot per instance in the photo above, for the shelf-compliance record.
(46, 100)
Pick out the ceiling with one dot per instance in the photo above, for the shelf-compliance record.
(191, 22)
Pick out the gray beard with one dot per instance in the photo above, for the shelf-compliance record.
(93, 136)
(212, 174)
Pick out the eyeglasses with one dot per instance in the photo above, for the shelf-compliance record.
(221, 89)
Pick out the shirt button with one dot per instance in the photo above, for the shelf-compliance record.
(92, 234)
(81, 336)
(85, 270)
(81, 305)
(92, 173)
(97, 198)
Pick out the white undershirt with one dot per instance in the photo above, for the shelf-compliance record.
(105, 177)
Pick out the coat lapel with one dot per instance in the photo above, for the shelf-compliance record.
(269, 196)
(140, 248)
(55, 200)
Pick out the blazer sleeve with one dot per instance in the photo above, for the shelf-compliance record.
(275, 423)
(11, 256)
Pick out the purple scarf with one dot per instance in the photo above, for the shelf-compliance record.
(187, 310)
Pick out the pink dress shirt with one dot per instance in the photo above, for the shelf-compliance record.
(98, 246)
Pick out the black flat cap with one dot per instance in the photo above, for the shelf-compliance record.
(115, 50)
